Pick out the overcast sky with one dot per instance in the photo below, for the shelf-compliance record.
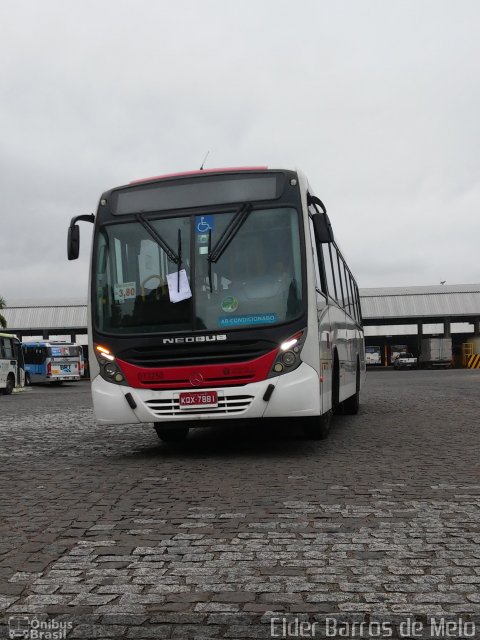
(377, 101)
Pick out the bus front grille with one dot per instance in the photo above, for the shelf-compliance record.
(155, 356)
(227, 405)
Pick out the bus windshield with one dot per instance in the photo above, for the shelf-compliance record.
(166, 276)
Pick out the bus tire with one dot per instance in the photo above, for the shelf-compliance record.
(337, 406)
(171, 434)
(318, 427)
(10, 384)
(352, 405)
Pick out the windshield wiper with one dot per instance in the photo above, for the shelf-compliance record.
(210, 262)
(179, 255)
(229, 233)
(171, 255)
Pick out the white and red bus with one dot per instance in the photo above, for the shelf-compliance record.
(220, 294)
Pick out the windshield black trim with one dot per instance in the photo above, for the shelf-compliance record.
(289, 197)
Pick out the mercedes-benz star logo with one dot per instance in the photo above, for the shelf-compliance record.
(196, 379)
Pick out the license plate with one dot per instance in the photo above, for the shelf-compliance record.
(194, 399)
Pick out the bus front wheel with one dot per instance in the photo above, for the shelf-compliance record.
(171, 434)
(318, 427)
(10, 386)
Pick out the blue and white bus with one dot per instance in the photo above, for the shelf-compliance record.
(53, 362)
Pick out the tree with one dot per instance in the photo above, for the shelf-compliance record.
(3, 321)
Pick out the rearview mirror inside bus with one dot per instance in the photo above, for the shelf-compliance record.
(323, 228)
(73, 242)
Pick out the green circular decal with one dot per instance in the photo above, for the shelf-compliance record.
(229, 304)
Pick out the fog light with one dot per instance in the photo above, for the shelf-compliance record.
(289, 358)
(278, 367)
(119, 377)
(110, 370)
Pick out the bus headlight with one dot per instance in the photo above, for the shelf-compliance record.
(109, 369)
(288, 357)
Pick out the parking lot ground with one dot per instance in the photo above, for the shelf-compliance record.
(117, 535)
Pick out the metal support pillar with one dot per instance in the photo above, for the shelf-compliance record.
(476, 326)
(447, 329)
(419, 338)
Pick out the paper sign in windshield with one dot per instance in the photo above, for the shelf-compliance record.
(178, 290)
(238, 321)
(125, 291)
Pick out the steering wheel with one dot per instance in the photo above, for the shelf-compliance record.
(160, 279)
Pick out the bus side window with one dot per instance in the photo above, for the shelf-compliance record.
(318, 259)
(348, 307)
(343, 286)
(316, 265)
(8, 351)
(351, 283)
(357, 301)
(336, 274)
(327, 264)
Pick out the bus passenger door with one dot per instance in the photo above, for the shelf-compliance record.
(18, 356)
(3, 365)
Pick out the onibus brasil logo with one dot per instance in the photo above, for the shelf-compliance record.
(32, 628)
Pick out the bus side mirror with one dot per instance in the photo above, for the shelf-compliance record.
(321, 221)
(323, 228)
(73, 242)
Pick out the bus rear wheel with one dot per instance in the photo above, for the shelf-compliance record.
(10, 386)
(352, 405)
(318, 427)
(171, 434)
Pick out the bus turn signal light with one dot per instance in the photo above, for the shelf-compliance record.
(109, 369)
(103, 352)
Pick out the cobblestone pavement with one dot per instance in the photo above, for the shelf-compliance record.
(121, 536)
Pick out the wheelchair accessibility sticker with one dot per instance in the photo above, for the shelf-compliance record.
(204, 224)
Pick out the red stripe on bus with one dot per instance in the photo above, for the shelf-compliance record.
(208, 375)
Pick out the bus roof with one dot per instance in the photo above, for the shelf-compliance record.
(7, 335)
(199, 172)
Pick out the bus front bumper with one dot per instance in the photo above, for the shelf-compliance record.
(295, 394)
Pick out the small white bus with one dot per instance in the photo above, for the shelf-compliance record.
(12, 373)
